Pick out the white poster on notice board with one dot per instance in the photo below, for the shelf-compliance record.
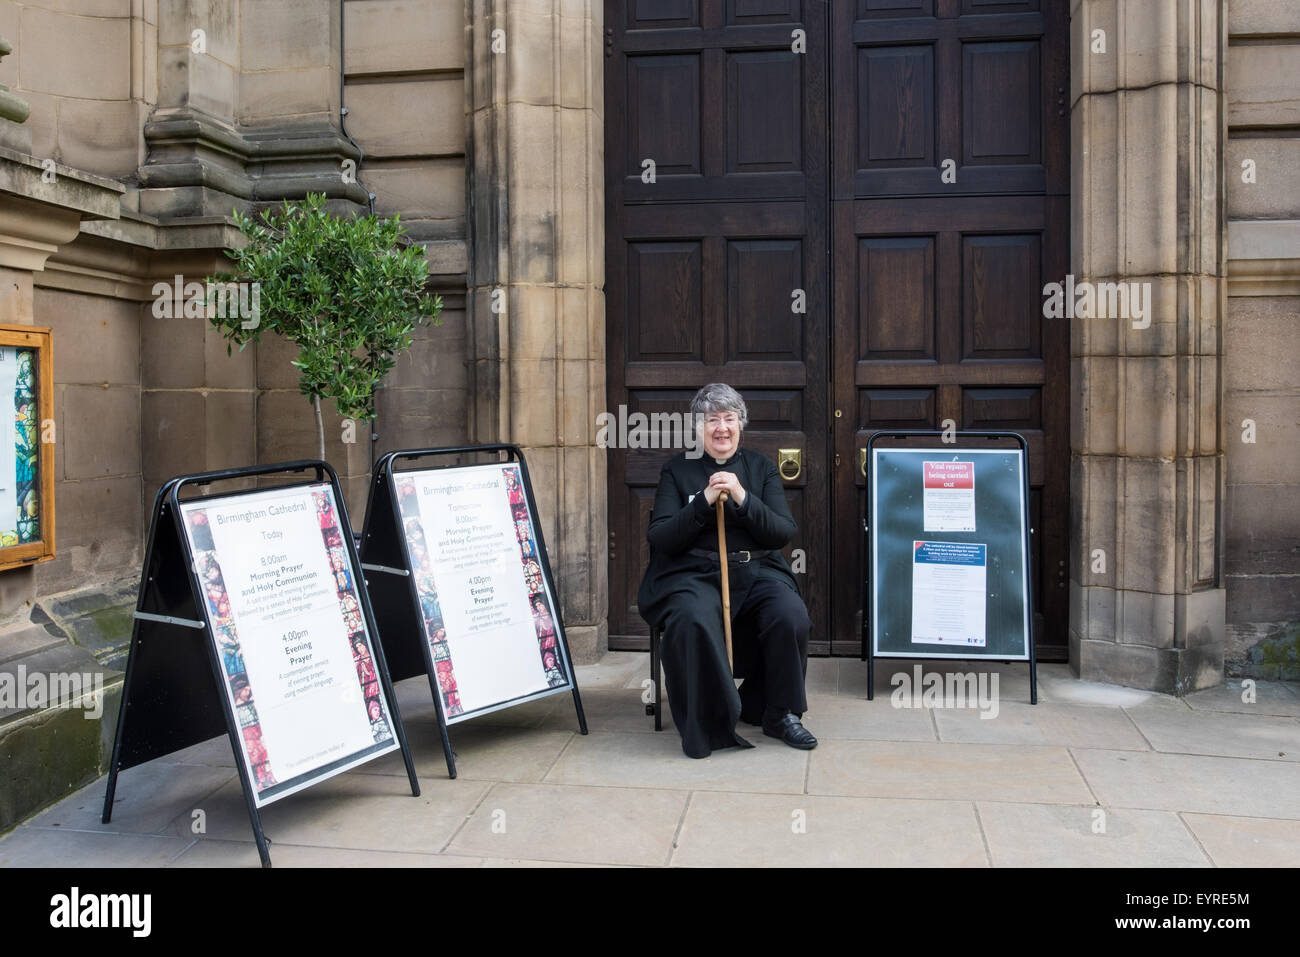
(281, 598)
(948, 593)
(489, 614)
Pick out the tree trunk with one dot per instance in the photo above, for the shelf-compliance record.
(320, 429)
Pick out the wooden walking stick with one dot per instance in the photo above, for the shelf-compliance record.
(726, 585)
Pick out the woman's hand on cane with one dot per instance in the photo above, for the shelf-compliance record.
(724, 481)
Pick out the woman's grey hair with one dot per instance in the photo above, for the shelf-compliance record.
(720, 397)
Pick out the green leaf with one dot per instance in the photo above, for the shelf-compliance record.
(338, 288)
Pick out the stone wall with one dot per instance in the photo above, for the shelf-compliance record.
(1261, 345)
(405, 95)
(97, 464)
(193, 126)
(89, 70)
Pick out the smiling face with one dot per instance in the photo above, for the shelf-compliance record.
(720, 434)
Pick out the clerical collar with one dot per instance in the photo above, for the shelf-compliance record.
(727, 461)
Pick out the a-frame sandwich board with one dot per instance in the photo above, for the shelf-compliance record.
(177, 689)
(410, 600)
(955, 503)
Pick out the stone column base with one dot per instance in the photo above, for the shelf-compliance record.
(1172, 644)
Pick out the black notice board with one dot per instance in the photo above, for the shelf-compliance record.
(948, 545)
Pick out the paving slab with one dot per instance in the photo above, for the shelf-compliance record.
(768, 830)
(580, 824)
(205, 852)
(656, 761)
(415, 703)
(1041, 835)
(490, 752)
(617, 709)
(29, 846)
(1267, 737)
(361, 811)
(147, 800)
(1071, 726)
(531, 714)
(504, 753)
(1247, 841)
(947, 771)
(639, 678)
(1270, 697)
(1057, 686)
(512, 862)
(1180, 781)
(613, 670)
(823, 676)
(1165, 703)
(1013, 677)
(856, 718)
(851, 680)
(1188, 782)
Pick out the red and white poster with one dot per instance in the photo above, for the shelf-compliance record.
(949, 496)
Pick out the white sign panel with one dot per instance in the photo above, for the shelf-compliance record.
(948, 593)
(489, 615)
(282, 603)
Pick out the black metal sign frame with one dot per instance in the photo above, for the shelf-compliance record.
(384, 552)
(173, 694)
(952, 442)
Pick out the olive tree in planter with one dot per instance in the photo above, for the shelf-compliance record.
(341, 289)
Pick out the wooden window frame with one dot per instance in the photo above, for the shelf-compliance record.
(41, 340)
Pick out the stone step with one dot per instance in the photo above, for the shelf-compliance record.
(61, 678)
(97, 619)
(58, 713)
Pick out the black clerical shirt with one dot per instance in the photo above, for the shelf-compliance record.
(683, 520)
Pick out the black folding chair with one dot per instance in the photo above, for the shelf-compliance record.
(654, 706)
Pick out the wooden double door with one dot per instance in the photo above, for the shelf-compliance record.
(848, 212)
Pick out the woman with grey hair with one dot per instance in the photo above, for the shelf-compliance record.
(680, 590)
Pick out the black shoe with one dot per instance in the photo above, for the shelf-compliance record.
(789, 729)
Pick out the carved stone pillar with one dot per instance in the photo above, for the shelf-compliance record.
(1147, 597)
(536, 303)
